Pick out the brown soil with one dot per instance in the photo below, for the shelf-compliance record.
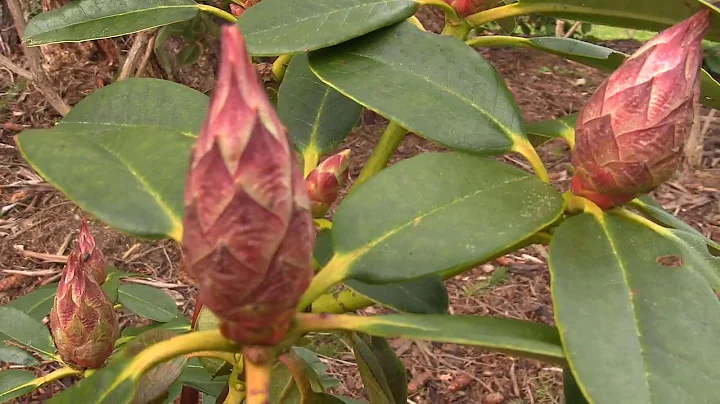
(37, 219)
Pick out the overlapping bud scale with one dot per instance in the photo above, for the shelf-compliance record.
(325, 181)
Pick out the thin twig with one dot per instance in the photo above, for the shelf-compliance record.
(44, 272)
(135, 54)
(146, 56)
(34, 58)
(7, 63)
(572, 29)
(157, 284)
(60, 259)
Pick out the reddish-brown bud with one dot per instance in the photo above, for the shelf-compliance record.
(82, 319)
(248, 232)
(629, 137)
(236, 9)
(325, 181)
(465, 8)
(94, 258)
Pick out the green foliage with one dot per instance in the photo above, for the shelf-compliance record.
(634, 294)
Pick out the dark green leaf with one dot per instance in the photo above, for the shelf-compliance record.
(596, 56)
(388, 227)
(571, 391)
(697, 254)
(317, 117)
(189, 55)
(122, 154)
(106, 386)
(36, 304)
(375, 355)
(26, 331)
(14, 383)
(406, 75)
(423, 296)
(629, 305)
(147, 301)
(16, 356)
(110, 287)
(198, 378)
(320, 368)
(515, 337)
(335, 399)
(371, 372)
(178, 325)
(542, 131)
(85, 20)
(275, 27)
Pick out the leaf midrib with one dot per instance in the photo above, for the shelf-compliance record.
(125, 126)
(489, 117)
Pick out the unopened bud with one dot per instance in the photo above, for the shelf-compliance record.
(82, 320)
(248, 233)
(325, 181)
(465, 8)
(94, 259)
(630, 136)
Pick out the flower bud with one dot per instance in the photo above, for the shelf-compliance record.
(82, 319)
(465, 8)
(248, 233)
(325, 181)
(236, 9)
(629, 137)
(93, 257)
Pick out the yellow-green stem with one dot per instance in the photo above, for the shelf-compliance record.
(389, 142)
(280, 66)
(311, 159)
(237, 390)
(577, 204)
(55, 375)
(414, 21)
(223, 356)
(298, 371)
(333, 273)
(490, 41)
(524, 147)
(643, 221)
(450, 14)
(323, 224)
(342, 302)
(217, 12)
(257, 383)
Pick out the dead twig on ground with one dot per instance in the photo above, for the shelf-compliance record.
(8, 64)
(136, 54)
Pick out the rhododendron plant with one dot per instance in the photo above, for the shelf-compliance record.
(633, 288)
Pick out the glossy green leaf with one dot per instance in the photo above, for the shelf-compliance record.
(317, 117)
(433, 85)
(16, 356)
(207, 320)
(147, 301)
(374, 380)
(36, 304)
(658, 214)
(275, 27)
(122, 154)
(85, 20)
(511, 336)
(382, 372)
(439, 213)
(634, 313)
(698, 256)
(15, 383)
(107, 385)
(26, 331)
(651, 15)
(422, 296)
(110, 287)
(542, 131)
(198, 378)
(155, 382)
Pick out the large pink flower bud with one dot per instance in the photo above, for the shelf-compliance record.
(629, 137)
(325, 181)
(94, 258)
(82, 319)
(248, 233)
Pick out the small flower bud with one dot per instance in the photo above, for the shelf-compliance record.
(629, 137)
(236, 9)
(248, 233)
(82, 320)
(465, 8)
(93, 257)
(325, 181)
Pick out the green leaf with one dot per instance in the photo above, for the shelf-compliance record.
(16, 356)
(189, 55)
(697, 254)
(275, 27)
(317, 117)
(433, 85)
(383, 373)
(511, 336)
(631, 308)
(388, 227)
(422, 296)
(373, 378)
(110, 287)
(657, 213)
(335, 399)
(542, 131)
(178, 325)
(36, 304)
(108, 385)
(571, 391)
(198, 378)
(207, 320)
(651, 15)
(86, 20)
(122, 154)
(15, 383)
(596, 56)
(147, 301)
(26, 331)
(313, 362)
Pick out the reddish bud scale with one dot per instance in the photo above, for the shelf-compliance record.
(325, 181)
(94, 259)
(465, 8)
(248, 233)
(82, 320)
(629, 137)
